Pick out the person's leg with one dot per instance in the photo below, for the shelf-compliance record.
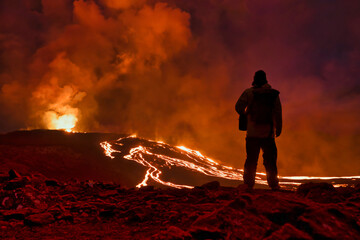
(252, 155)
(270, 156)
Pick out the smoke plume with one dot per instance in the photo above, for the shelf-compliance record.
(172, 70)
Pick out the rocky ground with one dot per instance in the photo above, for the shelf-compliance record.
(37, 207)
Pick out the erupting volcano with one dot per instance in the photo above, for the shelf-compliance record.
(173, 70)
(66, 122)
(75, 73)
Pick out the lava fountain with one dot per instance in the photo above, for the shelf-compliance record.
(64, 122)
(160, 158)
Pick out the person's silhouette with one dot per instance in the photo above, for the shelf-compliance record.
(261, 107)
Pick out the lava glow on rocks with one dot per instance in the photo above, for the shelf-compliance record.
(158, 157)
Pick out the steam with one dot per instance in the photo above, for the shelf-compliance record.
(172, 70)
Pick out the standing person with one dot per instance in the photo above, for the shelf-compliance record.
(261, 107)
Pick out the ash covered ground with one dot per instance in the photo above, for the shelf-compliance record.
(64, 186)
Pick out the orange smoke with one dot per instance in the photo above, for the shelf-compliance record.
(174, 69)
(89, 53)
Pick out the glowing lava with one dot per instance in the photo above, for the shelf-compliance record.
(159, 157)
(66, 122)
(153, 157)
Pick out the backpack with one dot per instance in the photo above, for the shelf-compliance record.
(262, 106)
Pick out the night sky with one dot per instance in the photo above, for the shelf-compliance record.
(173, 70)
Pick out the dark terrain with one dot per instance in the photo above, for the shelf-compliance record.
(41, 208)
(64, 187)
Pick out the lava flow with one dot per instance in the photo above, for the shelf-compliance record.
(159, 157)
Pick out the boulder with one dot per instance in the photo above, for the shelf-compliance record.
(107, 193)
(238, 203)
(305, 188)
(8, 202)
(57, 210)
(328, 223)
(211, 185)
(15, 184)
(13, 174)
(172, 233)
(320, 192)
(13, 214)
(18, 214)
(67, 217)
(278, 209)
(39, 219)
(73, 188)
(207, 233)
(107, 213)
(51, 183)
(288, 231)
(146, 188)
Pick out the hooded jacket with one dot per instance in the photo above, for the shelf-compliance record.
(257, 129)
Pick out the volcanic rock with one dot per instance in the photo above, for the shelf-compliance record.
(324, 224)
(107, 193)
(4, 225)
(288, 231)
(3, 177)
(73, 188)
(69, 197)
(16, 183)
(13, 174)
(39, 219)
(221, 195)
(58, 211)
(305, 188)
(241, 224)
(67, 217)
(172, 233)
(147, 188)
(211, 185)
(134, 217)
(13, 214)
(238, 203)
(107, 213)
(52, 183)
(100, 210)
(207, 233)
(321, 192)
(279, 210)
(8, 202)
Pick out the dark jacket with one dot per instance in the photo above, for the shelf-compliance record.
(255, 128)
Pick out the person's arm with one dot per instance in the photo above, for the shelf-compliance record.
(242, 103)
(278, 116)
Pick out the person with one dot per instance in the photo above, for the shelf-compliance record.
(261, 106)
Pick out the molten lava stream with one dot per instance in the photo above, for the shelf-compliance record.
(147, 154)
